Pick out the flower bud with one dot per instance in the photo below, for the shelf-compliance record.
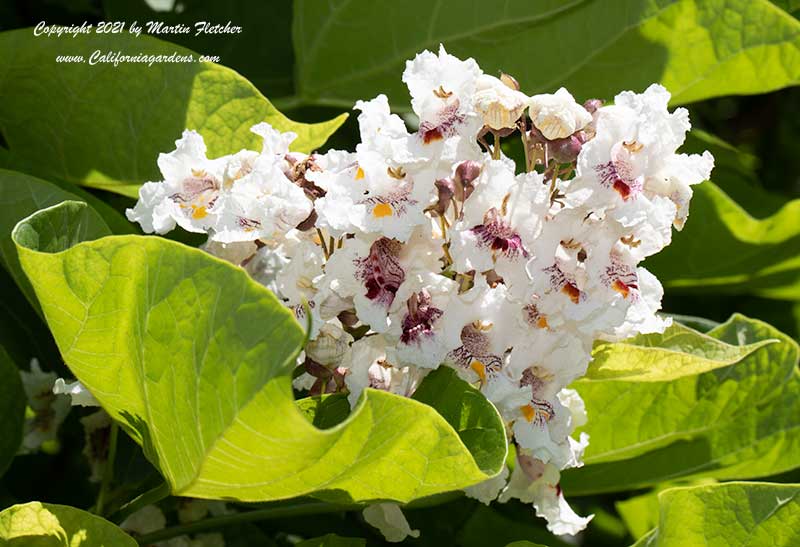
(348, 318)
(566, 150)
(445, 190)
(592, 105)
(466, 173)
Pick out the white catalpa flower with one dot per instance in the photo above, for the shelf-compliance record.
(557, 115)
(543, 430)
(372, 196)
(260, 202)
(499, 104)
(419, 325)
(547, 359)
(79, 395)
(389, 519)
(442, 89)
(487, 491)
(632, 159)
(242, 197)
(502, 219)
(384, 133)
(189, 193)
(371, 272)
(146, 520)
(535, 482)
(480, 330)
(49, 409)
(96, 429)
(330, 346)
(370, 364)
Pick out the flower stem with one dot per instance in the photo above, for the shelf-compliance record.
(108, 472)
(496, 148)
(322, 244)
(523, 131)
(213, 523)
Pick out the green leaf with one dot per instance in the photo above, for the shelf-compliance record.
(738, 421)
(525, 544)
(678, 352)
(723, 248)
(724, 515)
(194, 358)
(332, 540)
(103, 126)
(465, 408)
(37, 524)
(270, 73)
(640, 513)
(696, 48)
(22, 195)
(736, 172)
(12, 410)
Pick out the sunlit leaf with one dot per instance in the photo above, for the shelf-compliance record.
(37, 524)
(103, 125)
(195, 358)
(21, 195)
(738, 421)
(723, 515)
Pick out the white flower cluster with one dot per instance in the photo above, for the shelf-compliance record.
(432, 247)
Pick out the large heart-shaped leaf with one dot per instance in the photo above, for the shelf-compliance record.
(738, 421)
(37, 524)
(676, 353)
(22, 195)
(103, 125)
(194, 358)
(723, 515)
(696, 48)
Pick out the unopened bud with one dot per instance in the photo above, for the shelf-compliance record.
(566, 150)
(445, 190)
(592, 105)
(348, 318)
(466, 173)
